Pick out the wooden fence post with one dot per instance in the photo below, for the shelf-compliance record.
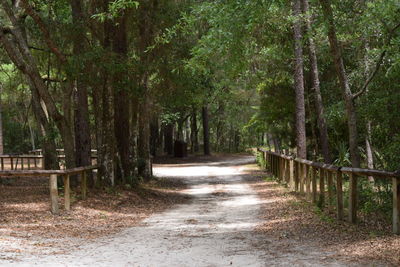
(396, 205)
(265, 157)
(330, 189)
(321, 188)
(339, 195)
(314, 184)
(287, 174)
(291, 174)
(54, 193)
(67, 193)
(301, 177)
(2, 164)
(296, 176)
(12, 163)
(83, 184)
(353, 198)
(29, 163)
(308, 181)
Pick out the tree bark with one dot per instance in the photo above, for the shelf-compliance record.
(321, 121)
(169, 138)
(1, 122)
(121, 95)
(144, 160)
(194, 132)
(106, 145)
(299, 83)
(49, 148)
(154, 136)
(344, 84)
(82, 130)
(206, 131)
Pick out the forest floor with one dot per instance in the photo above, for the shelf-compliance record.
(224, 213)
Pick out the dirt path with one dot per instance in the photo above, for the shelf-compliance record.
(215, 229)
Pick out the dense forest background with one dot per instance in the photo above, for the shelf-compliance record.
(128, 78)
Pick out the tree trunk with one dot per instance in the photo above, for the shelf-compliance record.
(82, 130)
(299, 83)
(106, 152)
(169, 138)
(344, 84)
(121, 97)
(144, 161)
(154, 136)
(1, 122)
(194, 132)
(206, 131)
(368, 150)
(323, 129)
(49, 148)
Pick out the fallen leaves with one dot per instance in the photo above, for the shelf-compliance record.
(290, 218)
(25, 215)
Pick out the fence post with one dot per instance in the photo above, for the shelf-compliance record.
(67, 193)
(330, 189)
(353, 198)
(339, 195)
(291, 174)
(12, 163)
(83, 184)
(296, 176)
(308, 181)
(288, 172)
(321, 188)
(314, 184)
(265, 157)
(301, 177)
(2, 164)
(396, 205)
(54, 193)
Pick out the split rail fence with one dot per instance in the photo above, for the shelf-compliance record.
(318, 181)
(32, 166)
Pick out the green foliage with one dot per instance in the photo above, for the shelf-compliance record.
(115, 9)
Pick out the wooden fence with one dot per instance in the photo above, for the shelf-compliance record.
(30, 162)
(22, 162)
(52, 174)
(318, 181)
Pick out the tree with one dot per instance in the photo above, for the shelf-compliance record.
(299, 83)
(321, 121)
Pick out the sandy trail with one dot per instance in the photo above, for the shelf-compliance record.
(215, 229)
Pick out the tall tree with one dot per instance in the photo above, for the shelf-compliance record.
(299, 82)
(206, 130)
(321, 121)
(344, 83)
(82, 130)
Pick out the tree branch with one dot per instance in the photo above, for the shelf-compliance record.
(43, 28)
(371, 77)
(377, 65)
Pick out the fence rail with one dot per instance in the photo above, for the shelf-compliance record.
(52, 174)
(317, 180)
(30, 162)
